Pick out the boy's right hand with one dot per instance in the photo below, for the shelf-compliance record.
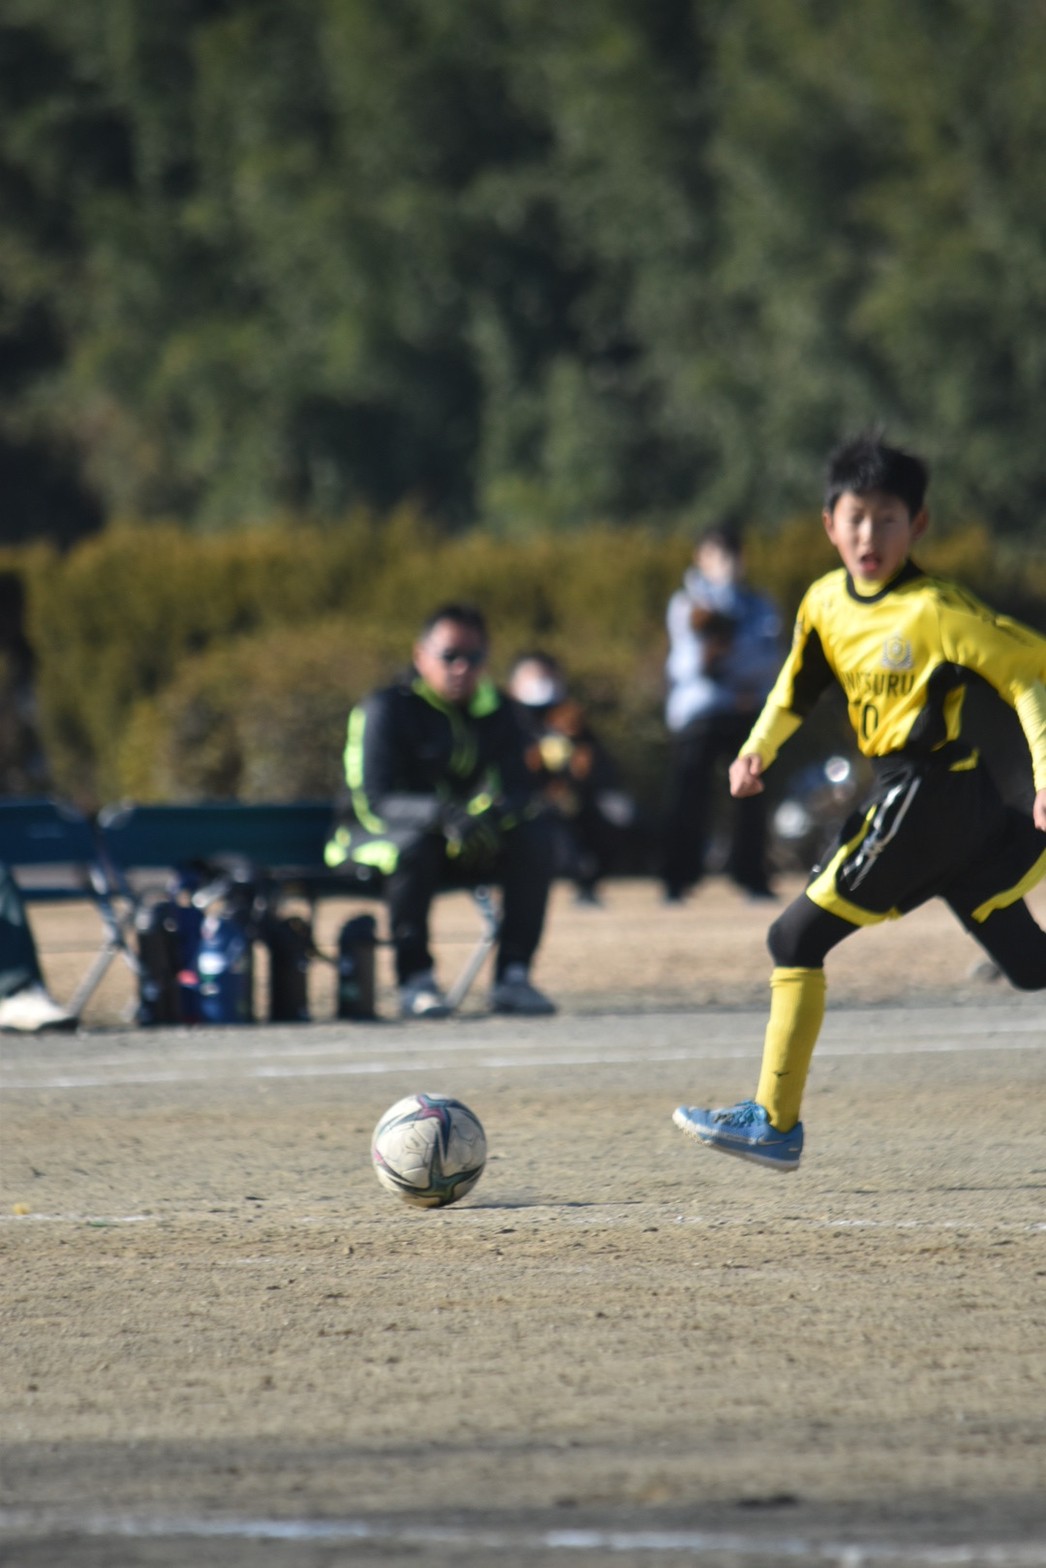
(746, 776)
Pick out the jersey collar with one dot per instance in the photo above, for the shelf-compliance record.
(908, 573)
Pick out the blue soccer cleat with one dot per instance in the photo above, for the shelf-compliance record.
(743, 1130)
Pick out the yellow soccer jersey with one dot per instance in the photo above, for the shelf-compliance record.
(903, 658)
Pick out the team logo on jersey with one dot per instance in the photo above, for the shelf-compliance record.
(897, 653)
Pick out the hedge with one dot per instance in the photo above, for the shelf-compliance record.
(174, 666)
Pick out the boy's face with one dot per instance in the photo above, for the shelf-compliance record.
(874, 534)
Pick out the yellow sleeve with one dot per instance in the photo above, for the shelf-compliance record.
(1012, 658)
(771, 729)
(802, 678)
(1030, 708)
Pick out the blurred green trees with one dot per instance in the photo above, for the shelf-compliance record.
(518, 262)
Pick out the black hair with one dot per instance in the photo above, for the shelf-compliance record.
(726, 535)
(865, 462)
(461, 614)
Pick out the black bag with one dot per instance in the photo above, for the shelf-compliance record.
(168, 939)
(195, 953)
(159, 963)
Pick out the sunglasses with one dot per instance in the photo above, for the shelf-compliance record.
(472, 657)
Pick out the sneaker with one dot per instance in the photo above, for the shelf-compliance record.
(33, 1010)
(421, 997)
(513, 993)
(743, 1130)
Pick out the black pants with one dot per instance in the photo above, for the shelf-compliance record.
(19, 964)
(700, 751)
(803, 936)
(524, 871)
(926, 834)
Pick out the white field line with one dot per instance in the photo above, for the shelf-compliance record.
(230, 1063)
(710, 1029)
(607, 1220)
(697, 1543)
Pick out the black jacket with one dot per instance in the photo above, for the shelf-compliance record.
(409, 755)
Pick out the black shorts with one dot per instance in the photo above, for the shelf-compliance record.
(931, 831)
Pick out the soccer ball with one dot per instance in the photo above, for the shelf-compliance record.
(429, 1149)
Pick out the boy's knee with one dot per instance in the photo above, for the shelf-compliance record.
(1014, 941)
(803, 934)
(784, 940)
(1024, 975)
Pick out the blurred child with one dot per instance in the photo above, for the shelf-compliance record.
(576, 774)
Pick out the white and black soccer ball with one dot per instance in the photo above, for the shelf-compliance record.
(429, 1149)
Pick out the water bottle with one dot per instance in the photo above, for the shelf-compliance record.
(290, 947)
(356, 944)
(225, 967)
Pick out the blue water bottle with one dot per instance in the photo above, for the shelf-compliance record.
(225, 966)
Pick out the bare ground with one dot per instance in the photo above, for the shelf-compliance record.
(225, 1344)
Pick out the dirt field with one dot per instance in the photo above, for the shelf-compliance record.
(224, 1344)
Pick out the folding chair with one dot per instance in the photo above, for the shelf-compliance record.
(490, 915)
(40, 833)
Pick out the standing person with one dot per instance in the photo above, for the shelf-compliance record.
(576, 773)
(26, 1005)
(724, 651)
(903, 646)
(440, 790)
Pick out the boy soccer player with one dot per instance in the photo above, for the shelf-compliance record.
(904, 646)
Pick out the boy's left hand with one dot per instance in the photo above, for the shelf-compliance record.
(1038, 811)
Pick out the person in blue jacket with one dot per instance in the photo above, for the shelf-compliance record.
(724, 653)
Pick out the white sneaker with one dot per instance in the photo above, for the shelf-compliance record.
(33, 1010)
(421, 997)
(513, 993)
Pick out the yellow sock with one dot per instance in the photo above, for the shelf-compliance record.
(796, 1015)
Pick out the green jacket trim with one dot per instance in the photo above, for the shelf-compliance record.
(353, 760)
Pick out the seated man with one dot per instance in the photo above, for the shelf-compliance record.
(25, 1004)
(441, 794)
